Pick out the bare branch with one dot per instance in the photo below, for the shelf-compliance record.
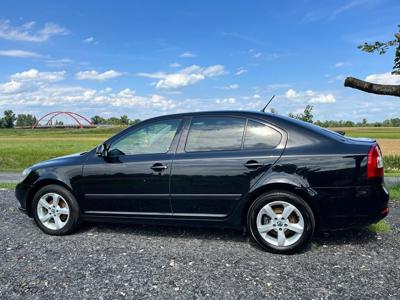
(374, 88)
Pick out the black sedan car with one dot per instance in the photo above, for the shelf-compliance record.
(279, 177)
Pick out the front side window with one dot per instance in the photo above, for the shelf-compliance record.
(150, 139)
(260, 136)
(215, 133)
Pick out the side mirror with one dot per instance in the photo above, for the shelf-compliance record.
(101, 150)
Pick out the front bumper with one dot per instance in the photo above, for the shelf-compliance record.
(22, 193)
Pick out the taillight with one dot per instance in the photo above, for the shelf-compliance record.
(375, 163)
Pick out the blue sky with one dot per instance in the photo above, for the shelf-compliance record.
(147, 58)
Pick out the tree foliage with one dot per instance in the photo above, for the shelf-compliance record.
(380, 48)
(25, 120)
(7, 121)
(97, 120)
(306, 116)
(383, 47)
(122, 120)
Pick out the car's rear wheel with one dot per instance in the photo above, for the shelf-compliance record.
(281, 222)
(55, 210)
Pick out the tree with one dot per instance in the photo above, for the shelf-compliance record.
(113, 121)
(124, 120)
(133, 122)
(306, 116)
(25, 120)
(8, 120)
(380, 89)
(96, 120)
(364, 122)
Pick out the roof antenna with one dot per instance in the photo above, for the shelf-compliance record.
(270, 100)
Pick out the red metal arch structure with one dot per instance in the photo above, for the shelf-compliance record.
(80, 120)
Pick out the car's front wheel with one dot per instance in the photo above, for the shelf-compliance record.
(281, 222)
(55, 210)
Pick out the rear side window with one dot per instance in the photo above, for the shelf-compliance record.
(215, 133)
(260, 136)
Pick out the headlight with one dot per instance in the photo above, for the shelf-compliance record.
(24, 174)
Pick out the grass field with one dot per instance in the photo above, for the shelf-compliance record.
(20, 148)
(387, 137)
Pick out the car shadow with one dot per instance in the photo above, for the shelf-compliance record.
(320, 239)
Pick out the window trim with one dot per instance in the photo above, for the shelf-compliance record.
(174, 141)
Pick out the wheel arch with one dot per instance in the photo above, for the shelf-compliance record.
(37, 186)
(285, 187)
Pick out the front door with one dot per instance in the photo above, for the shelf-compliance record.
(134, 177)
(220, 160)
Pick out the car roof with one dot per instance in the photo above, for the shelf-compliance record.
(219, 112)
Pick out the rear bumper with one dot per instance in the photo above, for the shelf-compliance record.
(346, 207)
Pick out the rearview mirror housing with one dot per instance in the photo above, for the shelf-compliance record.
(101, 150)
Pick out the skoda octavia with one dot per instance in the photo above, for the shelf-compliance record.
(280, 178)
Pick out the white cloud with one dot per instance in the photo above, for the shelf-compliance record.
(89, 40)
(10, 87)
(339, 64)
(257, 55)
(276, 86)
(323, 98)
(240, 71)
(336, 78)
(175, 65)
(35, 75)
(26, 32)
(187, 54)
(94, 75)
(25, 88)
(184, 77)
(291, 93)
(230, 100)
(384, 78)
(58, 62)
(233, 86)
(310, 96)
(19, 53)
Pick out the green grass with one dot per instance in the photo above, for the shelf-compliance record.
(9, 186)
(372, 132)
(380, 227)
(392, 163)
(396, 174)
(60, 132)
(21, 148)
(394, 192)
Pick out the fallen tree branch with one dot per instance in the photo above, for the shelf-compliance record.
(374, 88)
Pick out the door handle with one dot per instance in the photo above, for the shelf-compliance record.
(158, 167)
(253, 164)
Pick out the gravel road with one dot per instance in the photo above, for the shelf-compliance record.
(103, 261)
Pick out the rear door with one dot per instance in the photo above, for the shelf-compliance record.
(218, 159)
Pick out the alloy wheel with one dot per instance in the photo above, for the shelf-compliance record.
(53, 211)
(280, 223)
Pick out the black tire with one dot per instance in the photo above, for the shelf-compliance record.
(74, 211)
(299, 203)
